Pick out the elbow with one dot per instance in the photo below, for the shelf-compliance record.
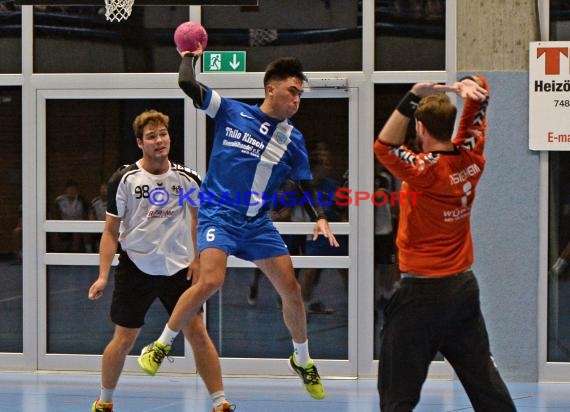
(192, 89)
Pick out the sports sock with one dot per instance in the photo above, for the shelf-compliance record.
(106, 395)
(301, 353)
(218, 398)
(168, 336)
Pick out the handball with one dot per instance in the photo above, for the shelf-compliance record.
(190, 36)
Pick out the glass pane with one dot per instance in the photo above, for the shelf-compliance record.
(232, 321)
(11, 318)
(417, 26)
(250, 325)
(87, 140)
(324, 124)
(67, 304)
(324, 35)
(10, 37)
(386, 98)
(61, 242)
(559, 255)
(559, 20)
(142, 43)
(386, 273)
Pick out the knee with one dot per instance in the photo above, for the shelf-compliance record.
(292, 292)
(208, 285)
(122, 344)
(195, 332)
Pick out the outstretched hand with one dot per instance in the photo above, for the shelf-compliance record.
(470, 89)
(322, 227)
(466, 89)
(423, 89)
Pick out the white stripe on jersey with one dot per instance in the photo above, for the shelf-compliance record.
(276, 148)
(214, 105)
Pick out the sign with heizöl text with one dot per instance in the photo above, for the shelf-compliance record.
(223, 61)
(549, 95)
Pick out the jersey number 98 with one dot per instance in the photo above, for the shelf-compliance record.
(141, 191)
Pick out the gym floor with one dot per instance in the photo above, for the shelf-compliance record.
(66, 392)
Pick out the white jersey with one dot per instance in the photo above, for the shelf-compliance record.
(155, 216)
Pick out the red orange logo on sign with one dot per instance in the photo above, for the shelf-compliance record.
(552, 58)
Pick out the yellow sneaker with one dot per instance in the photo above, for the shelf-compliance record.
(225, 407)
(101, 406)
(310, 378)
(151, 357)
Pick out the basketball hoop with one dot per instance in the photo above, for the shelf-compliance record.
(118, 10)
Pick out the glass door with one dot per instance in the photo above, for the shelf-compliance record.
(84, 136)
(11, 243)
(244, 318)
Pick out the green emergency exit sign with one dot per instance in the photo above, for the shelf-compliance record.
(223, 61)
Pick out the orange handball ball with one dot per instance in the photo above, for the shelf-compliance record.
(189, 36)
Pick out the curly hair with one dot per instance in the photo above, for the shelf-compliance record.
(153, 117)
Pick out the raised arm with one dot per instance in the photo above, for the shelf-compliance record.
(473, 122)
(187, 79)
(394, 131)
(389, 146)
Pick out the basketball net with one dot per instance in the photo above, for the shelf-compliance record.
(118, 10)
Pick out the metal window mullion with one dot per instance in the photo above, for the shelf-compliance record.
(30, 265)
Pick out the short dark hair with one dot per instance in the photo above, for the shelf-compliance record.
(283, 68)
(437, 113)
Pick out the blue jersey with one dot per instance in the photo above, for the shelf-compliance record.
(252, 156)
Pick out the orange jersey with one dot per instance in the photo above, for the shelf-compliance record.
(434, 233)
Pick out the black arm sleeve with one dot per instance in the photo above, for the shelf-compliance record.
(315, 210)
(187, 80)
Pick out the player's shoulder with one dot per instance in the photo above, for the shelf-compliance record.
(431, 158)
(186, 172)
(238, 108)
(296, 136)
(123, 172)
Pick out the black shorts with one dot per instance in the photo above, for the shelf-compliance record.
(135, 291)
